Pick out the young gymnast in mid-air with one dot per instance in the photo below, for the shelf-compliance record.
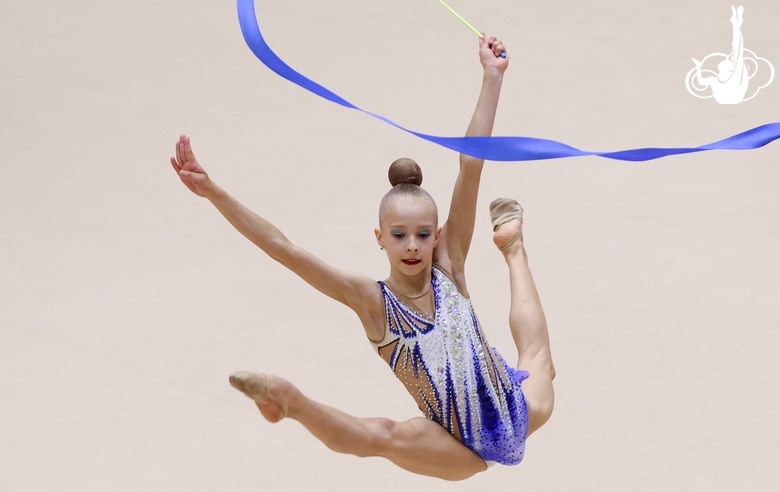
(478, 410)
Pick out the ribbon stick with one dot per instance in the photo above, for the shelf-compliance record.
(490, 148)
(503, 55)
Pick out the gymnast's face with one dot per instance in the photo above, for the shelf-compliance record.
(409, 232)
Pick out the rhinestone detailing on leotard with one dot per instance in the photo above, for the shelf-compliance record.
(455, 377)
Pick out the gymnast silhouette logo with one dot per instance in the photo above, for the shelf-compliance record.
(730, 84)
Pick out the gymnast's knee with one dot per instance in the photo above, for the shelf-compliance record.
(380, 438)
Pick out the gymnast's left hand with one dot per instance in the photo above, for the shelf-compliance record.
(190, 172)
(490, 49)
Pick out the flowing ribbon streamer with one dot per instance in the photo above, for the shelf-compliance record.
(496, 148)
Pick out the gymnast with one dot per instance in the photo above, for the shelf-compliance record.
(731, 84)
(478, 410)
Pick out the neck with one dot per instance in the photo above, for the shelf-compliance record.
(411, 287)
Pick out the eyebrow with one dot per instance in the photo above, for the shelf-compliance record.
(430, 226)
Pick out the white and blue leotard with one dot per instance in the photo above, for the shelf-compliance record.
(455, 377)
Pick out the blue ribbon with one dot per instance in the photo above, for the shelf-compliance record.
(495, 148)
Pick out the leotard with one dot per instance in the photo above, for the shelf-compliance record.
(457, 380)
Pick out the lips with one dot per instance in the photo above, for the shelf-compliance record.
(411, 261)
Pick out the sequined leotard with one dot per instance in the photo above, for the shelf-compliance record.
(457, 380)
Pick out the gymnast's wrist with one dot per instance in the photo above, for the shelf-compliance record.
(493, 76)
(214, 193)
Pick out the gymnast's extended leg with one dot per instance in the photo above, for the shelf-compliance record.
(418, 445)
(529, 328)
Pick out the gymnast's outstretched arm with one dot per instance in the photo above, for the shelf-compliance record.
(359, 292)
(701, 80)
(459, 228)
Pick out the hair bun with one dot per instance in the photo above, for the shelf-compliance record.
(404, 170)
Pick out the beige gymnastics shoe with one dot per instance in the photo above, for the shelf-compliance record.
(503, 210)
(256, 387)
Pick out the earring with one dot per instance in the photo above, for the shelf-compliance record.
(382, 248)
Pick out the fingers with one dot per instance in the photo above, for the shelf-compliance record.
(186, 177)
(185, 158)
(176, 166)
(180, 152)
(179, 160)
(188, 154)
(186, 166)
(498, 47)
(494, 44)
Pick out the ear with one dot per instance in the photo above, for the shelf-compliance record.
(378, 235)
(436, 237)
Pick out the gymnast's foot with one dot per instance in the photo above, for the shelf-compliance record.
(509, 236)
(507, 218)
(270, 393)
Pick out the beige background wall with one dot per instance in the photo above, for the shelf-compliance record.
(125, 301)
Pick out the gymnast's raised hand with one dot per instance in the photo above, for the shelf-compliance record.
(477, 409)
(190, 172)
(490, 50)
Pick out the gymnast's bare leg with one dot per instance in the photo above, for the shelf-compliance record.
(418, 445)
(529, 328)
